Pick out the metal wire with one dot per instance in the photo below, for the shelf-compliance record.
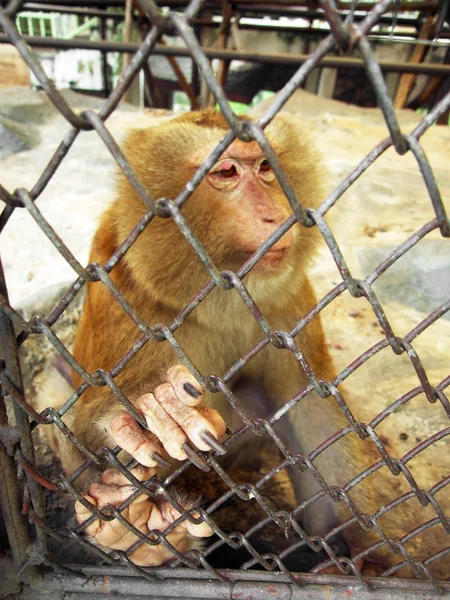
(345, 35)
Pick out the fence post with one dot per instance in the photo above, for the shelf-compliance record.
(10, 493)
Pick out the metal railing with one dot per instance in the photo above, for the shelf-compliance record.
(16, 450)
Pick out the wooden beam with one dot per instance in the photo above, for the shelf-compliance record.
(151, 89)
(221, 44)
(418, 54)
(224, 65)
(185, 85)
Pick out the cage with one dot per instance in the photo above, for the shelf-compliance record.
(268, 551)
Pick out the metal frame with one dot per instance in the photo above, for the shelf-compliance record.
(248, 56)
(294, 9)
(16, 451)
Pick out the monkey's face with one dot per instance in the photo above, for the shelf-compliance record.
(243, 192)
(237, 206)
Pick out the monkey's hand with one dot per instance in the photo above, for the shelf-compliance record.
(173, 418)
(145, 515)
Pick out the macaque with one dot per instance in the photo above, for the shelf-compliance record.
(235, 208)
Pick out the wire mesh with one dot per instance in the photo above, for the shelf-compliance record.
(345, 35)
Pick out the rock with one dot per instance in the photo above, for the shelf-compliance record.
(25, 105)
(420, 278)
(29, 106)
(75, 197)
(11, 586)
(83, 101)
(15, 137)
(305, 104)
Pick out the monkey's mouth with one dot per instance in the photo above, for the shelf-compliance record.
(273, 255)
(277, 251)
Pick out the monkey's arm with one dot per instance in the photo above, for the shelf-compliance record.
(173, 417)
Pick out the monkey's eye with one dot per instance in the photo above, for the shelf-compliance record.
(226, 170)
(264, 166)
(227, 173)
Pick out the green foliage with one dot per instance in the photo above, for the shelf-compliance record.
(241, 109)
(238, 107)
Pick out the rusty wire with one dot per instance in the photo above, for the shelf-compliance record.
(345, 35)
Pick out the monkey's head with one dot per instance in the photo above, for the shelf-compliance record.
(235, 208)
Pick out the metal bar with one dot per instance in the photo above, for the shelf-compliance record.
(13, 7)
(276, 58)
(9, 486)
(207, 22)
(10, 496)
(246, 584)
(71, 10)
(195, 73)
(105, 67)
(309, 32)
(310, 15)
(252, 5)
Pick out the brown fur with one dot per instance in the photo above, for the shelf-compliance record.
(159, 275)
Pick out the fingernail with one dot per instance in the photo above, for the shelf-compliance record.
(195, 458)
(162, 462)
(191, 390)
(212, 442)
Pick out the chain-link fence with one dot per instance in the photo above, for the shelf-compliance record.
(199, 577)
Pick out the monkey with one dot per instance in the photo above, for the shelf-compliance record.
(232, 212)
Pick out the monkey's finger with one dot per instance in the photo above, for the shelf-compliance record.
(144, 516)
(214, 418)
(171, 514)
(186, 387)
(179, 538)
(189, 419)
(113, 495)
(128, 435)
(159, 422)
(117, 535)
(113, 533)
(83, 513)
(115, 477)
(154, 556)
